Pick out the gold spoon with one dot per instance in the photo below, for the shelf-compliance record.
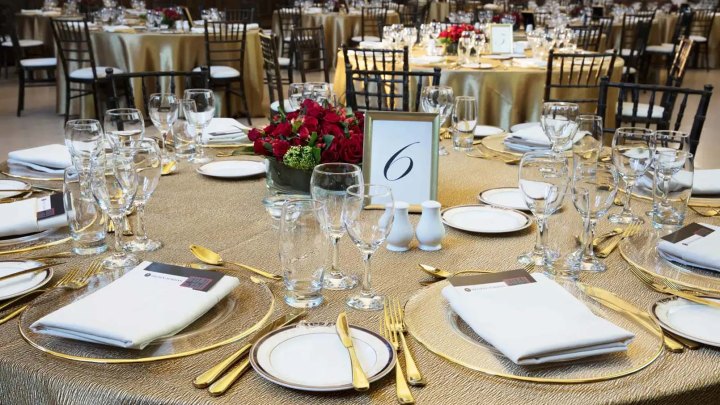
(438, 273)
(709, 213)
(168, 168)
(208, 256)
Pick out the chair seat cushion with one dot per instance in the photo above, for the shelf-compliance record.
(664, 48)
(39, 62)
(283, 61)
(625, 52)
(24, 43)
(642, 110)
(87, 74)
(629, 69)
(221, 72)
(368, 38)
(274, 106)
(698, 38)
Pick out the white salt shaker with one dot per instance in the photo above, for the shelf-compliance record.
(430, 230)
(401, 233)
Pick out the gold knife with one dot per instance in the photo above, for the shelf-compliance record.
(210, 376)
(359, 380)
(32, 270)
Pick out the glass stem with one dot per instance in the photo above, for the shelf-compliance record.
(366, 288)
(140, 231)
(541, 238)
(588, 235)
(629, 186)
(200, 152)
(118, 225)
(334, 270)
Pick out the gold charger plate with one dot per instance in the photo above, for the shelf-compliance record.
(239, 314)
(431, 321)
(495, 144)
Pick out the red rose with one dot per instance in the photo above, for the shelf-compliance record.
(352, 149)
(292, 115)
(311, 123)
(331, 117)
(331, 129)
(280, 147)
(303, 133)
(259, 147)
(282, 129)
(254, 134)
(332, 153)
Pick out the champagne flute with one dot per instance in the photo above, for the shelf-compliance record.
(163, 109)
(146, 157)
(438, 100)
(543, 180)
(558, 123)
(124, 124)
(632, 152)
(329, 184)
(199, 116)
(114, 183)
(368, 229)
(464, 119)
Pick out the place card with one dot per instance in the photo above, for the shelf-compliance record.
(501, 38)
(50, 206)
(198, 280)
(485, 281)
(688, 234)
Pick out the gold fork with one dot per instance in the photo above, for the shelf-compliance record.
(667, 288)
(402, 391)
(631, 230)
(397, 322)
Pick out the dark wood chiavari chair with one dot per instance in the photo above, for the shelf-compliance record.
(589, 37)
(246, 15)
(700, 27)
(629, 32)
(575, 78)
(668, 50)
(271, 66)
(372, 21)
(410, 14)
(289, 19)
(605, 24)
(634, 53)
(377, 79)
(422, 80)
(310, 51)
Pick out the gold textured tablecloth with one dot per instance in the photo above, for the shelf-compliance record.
(228, 216)
(154, 51)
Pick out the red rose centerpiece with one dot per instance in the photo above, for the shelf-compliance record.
(451, 36)
(169, 16)
(296, 142)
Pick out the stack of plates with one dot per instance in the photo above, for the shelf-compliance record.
(697, 322)
(19, 285)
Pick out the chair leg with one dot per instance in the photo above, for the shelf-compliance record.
(67, 100)
(96, 100)
(707, 57)
(21, 92)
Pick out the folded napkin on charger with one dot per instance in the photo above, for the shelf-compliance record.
(537, 322)
(48, 158)
(164, 300)
(696, 244)
(21, 217)
(704, 182)
(117, 28)
(533, 138)
(223, 130)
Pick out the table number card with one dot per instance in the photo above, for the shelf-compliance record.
(501, 38)
(401, 151)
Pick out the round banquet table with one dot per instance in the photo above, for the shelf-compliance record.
(506, 95)
(228, 216)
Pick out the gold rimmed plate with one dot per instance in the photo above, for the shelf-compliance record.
(26, 173)
(12, 287)
(478, 218)
(690, 320)
(13, 240)
(236, 316)
(14, 189)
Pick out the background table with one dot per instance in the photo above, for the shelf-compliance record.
(228, 216)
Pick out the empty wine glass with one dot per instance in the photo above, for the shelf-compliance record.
(588, 147)
(84, 140)
(438, 100)
(124, 124)
(543, 179)
(558, 123)
(632, 152)
(114, 183)
(464, 119)
(329, 184)
(594, 186)
(163, 109)
(146, 156)
(199, 114)
(368, 229)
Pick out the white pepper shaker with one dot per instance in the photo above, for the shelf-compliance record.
(430, 230)
(401, 233)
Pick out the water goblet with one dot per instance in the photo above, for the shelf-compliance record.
(199, 114)
(163, 109)
(672, 187)
(124, 124)
(588, 147)
(632, 152)
(464, 119)
(84, 140)
(558, 123)
(438, 100)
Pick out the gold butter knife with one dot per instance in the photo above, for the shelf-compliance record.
(359, 380)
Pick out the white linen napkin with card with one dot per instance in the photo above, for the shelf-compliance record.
(48, 158)
(152, 301)
(533, 138)
(696, 244)
(223, 130)
(32, 215)
(535, 322)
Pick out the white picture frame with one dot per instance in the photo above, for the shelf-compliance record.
(400, 150)
(501, 38)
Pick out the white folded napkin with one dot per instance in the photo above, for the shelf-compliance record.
(48, 158)
(704, 182)
(116, 28)
(534, 138)
(20, 218)
(425, 60)
(227, 130)
(134, 310)
(703, 252)
(536, 323)
(529, 63)
(313, 10)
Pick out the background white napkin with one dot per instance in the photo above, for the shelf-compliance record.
(224, 125)
(529, 63)
(20, 218)
(704, 253)
(115, 28)
(527, 139)
(537, 322)
(48, 158)
(134, 310)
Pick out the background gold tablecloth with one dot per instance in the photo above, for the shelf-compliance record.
(228, 216)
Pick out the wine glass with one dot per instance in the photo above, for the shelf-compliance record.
(588, 147)
(124, 124)
(438, 100)
(296, 94)
(558, 123)
(368, 229)
(329, 184)
(84, 140)
(543, 180)
(163, 109)
(464, 119)
(465, 45)
(147, 158)
(632, 152)
(114, 182)
(199, 116)
(594, 186)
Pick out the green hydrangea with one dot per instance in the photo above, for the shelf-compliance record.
(301, 157)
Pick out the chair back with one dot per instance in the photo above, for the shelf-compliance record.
(682, 26)
(631, 28)
(540, 19)
(588, 37)
(410, 14)
(246, 15)
(124, 88)
(633, 55)
(606, 24)
(575, 78)
(702, 21)
(289, 19)
(225, 44)
(377, 79)
(649, 111)
(372, 21)
(72, 39)
(271, 66)
(422, 80)
(311, 55)
(676, 73)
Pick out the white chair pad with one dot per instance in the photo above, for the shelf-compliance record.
(631, 69)
(276, 104)
(698, 38)
(87, 73)
(24, 43)
(39, 62)
(368, 38)
(283, 61)
(625, 52)
(221, 72)
(642, 110)
(664, 48)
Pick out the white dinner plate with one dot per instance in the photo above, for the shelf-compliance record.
(485, 219)
(524, 125)
(310, 357)
(697, 322)
(232, 169)
(29, 237)
(504, 197)
(13, 185)
(482, 131)
(19, 285)
(504, 56)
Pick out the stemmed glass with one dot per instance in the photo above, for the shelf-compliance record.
(114, 183)
(146, 157)
(632, 152)
(479, 45)
(124, 124)
(588, 147)
(464, 119)
(465, 45)
(84, 140)
(543, 181)
(438, 100)
(329, 184)
(199, 114)
(594, 186)
(163, 109)
(558, 123)
(368, 229)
